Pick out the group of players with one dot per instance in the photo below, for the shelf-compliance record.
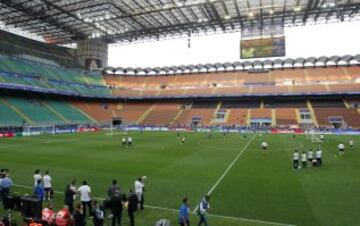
(310, 159)
(126, 142)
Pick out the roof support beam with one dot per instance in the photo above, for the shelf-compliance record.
(238, 12)
(50, 21)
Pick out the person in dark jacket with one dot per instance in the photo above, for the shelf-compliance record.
(79, 216)
(70, 192)
(98, 214)
(113, 188)
(132, 206)
(116, 203)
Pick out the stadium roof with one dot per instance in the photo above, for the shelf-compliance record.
(288, 63)
(65, 21)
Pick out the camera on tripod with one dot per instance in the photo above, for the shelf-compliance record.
(29, 207)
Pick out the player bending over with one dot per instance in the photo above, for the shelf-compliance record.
(264, 145)
(183, 140)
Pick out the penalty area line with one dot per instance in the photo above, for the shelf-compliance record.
(176, 211)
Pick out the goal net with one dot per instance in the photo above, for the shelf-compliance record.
(314, 136)
(116, 126)
(41, 129)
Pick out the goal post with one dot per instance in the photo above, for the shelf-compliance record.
(313, 135)
(116, 126)
(39, 129)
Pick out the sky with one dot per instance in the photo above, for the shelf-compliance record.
(304, 41)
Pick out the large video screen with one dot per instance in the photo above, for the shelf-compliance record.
(259, 48)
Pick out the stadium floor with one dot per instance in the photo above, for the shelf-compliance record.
(248, 186)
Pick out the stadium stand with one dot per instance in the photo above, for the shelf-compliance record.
(286, 117)
(163, 114)
(36, 109)
(134, 113)
(279, 81)
(97, 111)
(17, 46)
(8, 116)
(29, 66)
(66, 111)
(329, 117)
(75, 81)
(199, 112)
(237, 116)
(260, 113)
(32, 110)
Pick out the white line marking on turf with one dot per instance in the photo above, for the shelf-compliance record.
(228, 169)
(175, 210)
(231, 165)
(227, 217)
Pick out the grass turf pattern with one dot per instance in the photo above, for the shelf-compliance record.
(259, 185)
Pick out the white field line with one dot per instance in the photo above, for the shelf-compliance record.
(231, 165)
(175, 210)
(227, 169)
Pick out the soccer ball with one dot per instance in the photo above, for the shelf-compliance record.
(144, 177)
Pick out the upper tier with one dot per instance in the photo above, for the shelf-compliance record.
(49, 78)
(18, 46)
(275, 82)
(28, 75)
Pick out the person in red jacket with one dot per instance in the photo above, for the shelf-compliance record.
(48, 215)
(64, 217)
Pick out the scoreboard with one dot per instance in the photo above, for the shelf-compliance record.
(262, 47)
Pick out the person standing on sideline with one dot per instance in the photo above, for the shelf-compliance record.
(184, 213)
(296, 159)
(318, 155)
(98, 214)
(85, 197)
(37, 176)
(70, 192)
(116, 208)
(132, 206)
(5, 186)
(47, 185)
(303, 160)
(341, 147)
(203, 209)
(39, 191)
(113, 189)
(139, 191)
(79, 217)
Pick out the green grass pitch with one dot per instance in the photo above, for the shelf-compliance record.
(249, 187)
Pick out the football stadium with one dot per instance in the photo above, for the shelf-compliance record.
(180, 112)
